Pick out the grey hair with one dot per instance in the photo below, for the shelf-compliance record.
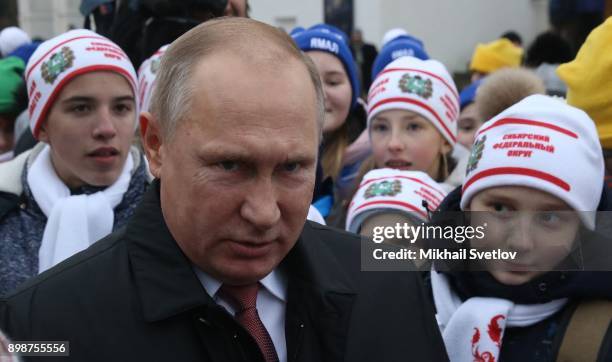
(174, 88)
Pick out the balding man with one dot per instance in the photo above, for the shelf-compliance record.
(218, 263)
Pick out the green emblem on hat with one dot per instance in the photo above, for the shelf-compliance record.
(155, 63)
(383, 188)
(416, 85)
(476, 154)
(58, 63)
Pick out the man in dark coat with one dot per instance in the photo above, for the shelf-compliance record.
(218, 263)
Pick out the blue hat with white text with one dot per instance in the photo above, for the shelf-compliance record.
(404, 45)
(329, 39)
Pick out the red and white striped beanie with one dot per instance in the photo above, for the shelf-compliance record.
(542, 143)
(386, 189)
(421, 86)
(58, 60)
(147, 74)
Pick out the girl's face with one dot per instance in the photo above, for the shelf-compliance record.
(468, 124)
(336, 87)
(407, 141)
(539, 227)
(90, 128)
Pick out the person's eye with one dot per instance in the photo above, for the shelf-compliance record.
(291, 167)
(378, 127)
(80, 109)
(228, 165)
(123, 108)
(549, 218)
(333, 82)
(499, 208)
(413, 127)
(466, 125)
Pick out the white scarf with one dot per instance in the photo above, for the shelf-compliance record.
(6, 156)
(73, 222)
(473, 330)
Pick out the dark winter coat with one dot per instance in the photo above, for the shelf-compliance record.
(22, 222)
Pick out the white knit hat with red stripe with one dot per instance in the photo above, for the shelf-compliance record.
(542, 143)
(147, 74)
(58, 60)
(421, 86)
(388, 190)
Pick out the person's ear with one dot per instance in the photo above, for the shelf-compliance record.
(446, 147)
(152, 142)
(43, 134)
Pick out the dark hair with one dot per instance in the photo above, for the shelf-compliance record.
(548, 47)
(513, 36)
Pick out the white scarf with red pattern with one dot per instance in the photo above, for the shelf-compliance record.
(473, 330)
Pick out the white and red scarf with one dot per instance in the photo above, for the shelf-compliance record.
(473, 330)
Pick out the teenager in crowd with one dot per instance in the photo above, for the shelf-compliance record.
(328, 47)
(83, 180)
(413, 108)
(535, 205)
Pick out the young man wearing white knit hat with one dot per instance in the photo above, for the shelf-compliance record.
(83, 180)
(534, 179)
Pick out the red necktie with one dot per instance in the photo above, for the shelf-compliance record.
(243, 299)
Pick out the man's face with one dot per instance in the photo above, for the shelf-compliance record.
(237, 177)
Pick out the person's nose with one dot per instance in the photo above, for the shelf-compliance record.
(260, 207)
(521, 237)
(105, 127)
(395, 143)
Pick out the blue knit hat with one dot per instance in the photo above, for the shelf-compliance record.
(411, 38)
(332, 40)
(332, 29)
(398, 47)
(24, 52)
(295, 31)
(468, 94)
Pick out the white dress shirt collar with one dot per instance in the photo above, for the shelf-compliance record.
(275, 283)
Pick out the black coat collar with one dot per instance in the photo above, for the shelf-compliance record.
(164, 278)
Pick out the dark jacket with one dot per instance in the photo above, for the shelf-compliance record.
(22, 223)
(133, 296)
(539, 342)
